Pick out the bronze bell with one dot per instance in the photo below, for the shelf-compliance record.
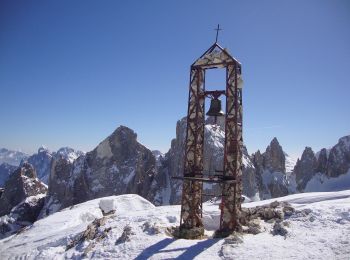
(215, 108)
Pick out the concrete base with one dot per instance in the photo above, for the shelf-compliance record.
(186, 233)
(223, 233)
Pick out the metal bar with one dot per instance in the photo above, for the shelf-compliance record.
(213, 65)
(205, 179)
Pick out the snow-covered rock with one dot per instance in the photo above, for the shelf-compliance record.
(43, 158)
(11, 157)
(316, 229)
(214, 136)
(327, 170)
(274, 171)
(41, 162)
(118, 165)
(21, 184)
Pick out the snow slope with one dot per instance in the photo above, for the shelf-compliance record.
(322, 233)
(321, 182)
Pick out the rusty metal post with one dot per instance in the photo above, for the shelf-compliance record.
(232, 192)
(191, 225)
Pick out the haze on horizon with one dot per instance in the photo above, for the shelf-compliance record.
(71, 72)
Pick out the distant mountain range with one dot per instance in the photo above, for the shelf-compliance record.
(11, 157)
(41, 161)
(120, 165)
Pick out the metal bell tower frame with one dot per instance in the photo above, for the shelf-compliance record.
(230, 178)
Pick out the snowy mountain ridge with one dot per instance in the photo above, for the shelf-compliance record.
(12, 157)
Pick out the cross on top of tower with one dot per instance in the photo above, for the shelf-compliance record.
(217, 32)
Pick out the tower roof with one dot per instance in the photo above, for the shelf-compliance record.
(215, 57)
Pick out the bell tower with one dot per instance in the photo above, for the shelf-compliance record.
(230, 179)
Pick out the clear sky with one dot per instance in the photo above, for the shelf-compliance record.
(71, 72)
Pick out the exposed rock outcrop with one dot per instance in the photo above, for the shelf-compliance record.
(274, 158)
(339, 158)
(42, 160)
(22, 183)
(272, 176)
(331, 172)
(5, 171)
(305, 168)
(22, 215)
(214, 137)
(118, 165)
(322, 161)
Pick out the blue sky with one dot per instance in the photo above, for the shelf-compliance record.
(73, 71)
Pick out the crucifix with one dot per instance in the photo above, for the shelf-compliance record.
(217, 32)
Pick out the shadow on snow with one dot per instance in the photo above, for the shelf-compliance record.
(189, 252)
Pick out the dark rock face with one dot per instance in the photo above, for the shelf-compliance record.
(173, 164)
(274, 158)
(24, 214)
(41, 162)
(5, 171)
(21, 184)
(118, 165)
(272, 178)
(339, 158)
(29, 209)
(322, 161)
(305, 168)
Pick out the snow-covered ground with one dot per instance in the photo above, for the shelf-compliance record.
(322, 233)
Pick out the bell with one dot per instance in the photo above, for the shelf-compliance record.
(215, 108)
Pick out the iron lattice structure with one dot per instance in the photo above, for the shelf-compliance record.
(230, 178)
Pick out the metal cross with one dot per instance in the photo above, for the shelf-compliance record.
(217, 32)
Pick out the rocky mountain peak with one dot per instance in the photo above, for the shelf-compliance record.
(345, 142)
(121, 145)
(43, 149)
(123, 133)
(274, 158)
(339, 157)
(305, 168)
(118, 165)
(26, 170)
(20, 185)
(322, 161)
(308, 154)
(274, 142)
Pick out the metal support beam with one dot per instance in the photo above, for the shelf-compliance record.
(231, 178)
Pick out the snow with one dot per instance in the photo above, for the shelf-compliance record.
(323, 233)
(107, 205)
(289, 163)
(129, 175)
(321, 182)
(163, 196)
(69, 154)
